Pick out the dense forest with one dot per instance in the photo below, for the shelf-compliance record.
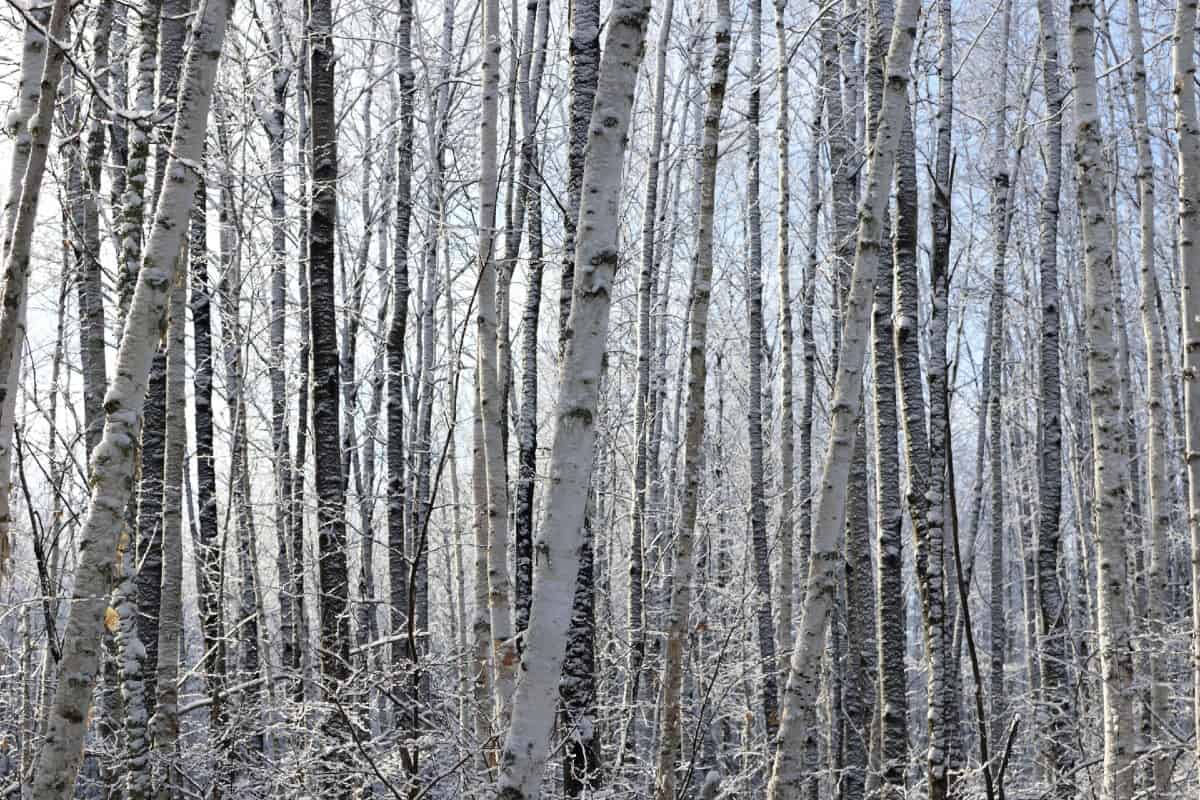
(672, 399)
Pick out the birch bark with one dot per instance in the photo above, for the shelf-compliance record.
(488, 387)
(1057, 753)
(1108, 427)
(1156, 453)
(647, 277)
(398, 562)
(31, 125)
(891, 615)
(164, 725)
(113, 461)
(681, 584)
(274, 123)
(1000, 215)
(785, 574)
(90, 295)
(1187, 128)
(556, 552)
(582, 764)
(765, 630)
(538, 29)
(847, 401)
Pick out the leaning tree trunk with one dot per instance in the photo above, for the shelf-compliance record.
(1188, 130)
(820, 596)
(31, 125)
(681, 585)
(114, 458)
(1108, 427)
(1057, 752)
(525, 748)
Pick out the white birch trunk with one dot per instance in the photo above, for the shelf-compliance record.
(821, 593)
(1107, 424)
(785, 572)
(1187, 128)
(681, 585)
(1159, 519)
(31, 124)
(556, 551)
(1052, 616)
(114, 458)
(504, 647)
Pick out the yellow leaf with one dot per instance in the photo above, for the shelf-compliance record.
(111, 619)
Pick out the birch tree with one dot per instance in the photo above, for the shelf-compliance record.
(488, 387)
(30, 124)
(847, 400)
(1187, 128)
(784, 574)
(701, 292)
(113, 460)
(1051, 618)
(1107, 422)
(574, 435)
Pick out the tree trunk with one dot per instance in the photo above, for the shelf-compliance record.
(327, 458)
(398, 561)
(765, 630)
(31, 125)
(532, 201)
(581, 763)
(999, 212)
(90, 284)
(681, 584)
(1156, 454)
(820, 595)
(164, 725)
(557, 560)
(229, 286)
(209, 552)
(113, 461)
(892, 624)
(1108, 429)
(274, 122)
(785, 573)
(488, 385)
(647, 278)
(938, 562)
(1058, 755)
(1188, 130)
